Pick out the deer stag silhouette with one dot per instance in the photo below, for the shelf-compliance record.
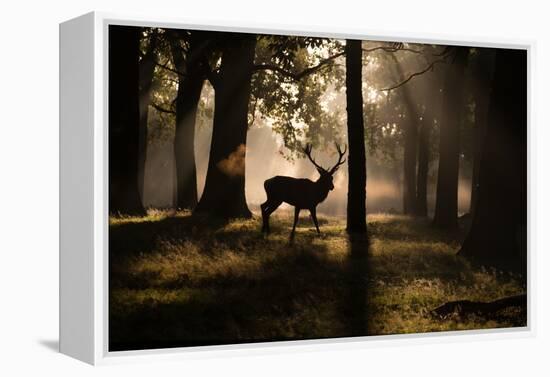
(300, 193)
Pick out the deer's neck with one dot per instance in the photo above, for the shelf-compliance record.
(322, 191)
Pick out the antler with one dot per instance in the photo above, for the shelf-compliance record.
(340, 155)
(307, 152)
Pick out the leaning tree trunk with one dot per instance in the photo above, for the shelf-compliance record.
(190, 82)
(482, 91)
(146, 70)
(497, 236)
(124, 120)
(357, 169)
(423, 166)
(446, 205)
(224, 194)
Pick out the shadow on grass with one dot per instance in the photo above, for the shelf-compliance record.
(296, 290)
(189, 281)
(291, 297)
(142, 236)
(404, 228)
(357, 308)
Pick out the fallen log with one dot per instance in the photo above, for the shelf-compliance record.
(466, 307)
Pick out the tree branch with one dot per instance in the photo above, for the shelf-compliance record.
(167, 79)
(413, 75)
(165, 66)
(162, 109)
(297, 76)
(392, 49)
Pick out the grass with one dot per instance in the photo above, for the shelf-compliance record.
(181, 280)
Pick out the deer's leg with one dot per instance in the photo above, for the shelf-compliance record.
(296, 215)
(265, 219)
(313, 212)
(267, 209)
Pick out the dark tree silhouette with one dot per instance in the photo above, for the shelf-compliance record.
(191, 76)
(430, 99)
(224, 194)
(421, 206)
(410, 143)
(231, 163)
(481, 86)
(446, 206)
(357, 168)
(124, 120)
(146, 70)
(497, 236)
(417, 125)
(409, 159)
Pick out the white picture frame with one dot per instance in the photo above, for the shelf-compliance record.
(84, 188)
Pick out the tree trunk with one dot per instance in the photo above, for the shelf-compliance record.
(124, 120)
(429, 96)
(410, 147)
(146, 70)
(497, 236)
(224, 190)
(409, 162)
(482, 92)
(357, 169)
(187, 101)
(423, 166)
(446, 205)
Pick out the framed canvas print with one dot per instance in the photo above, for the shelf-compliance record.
(232, 188)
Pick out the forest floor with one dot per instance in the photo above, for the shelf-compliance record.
(182, 280)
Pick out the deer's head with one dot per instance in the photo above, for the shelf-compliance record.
(325, 179)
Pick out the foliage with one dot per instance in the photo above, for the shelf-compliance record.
(387, 117)
(312, 109)
(161, 123)
(287, 49)
(296, 109)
